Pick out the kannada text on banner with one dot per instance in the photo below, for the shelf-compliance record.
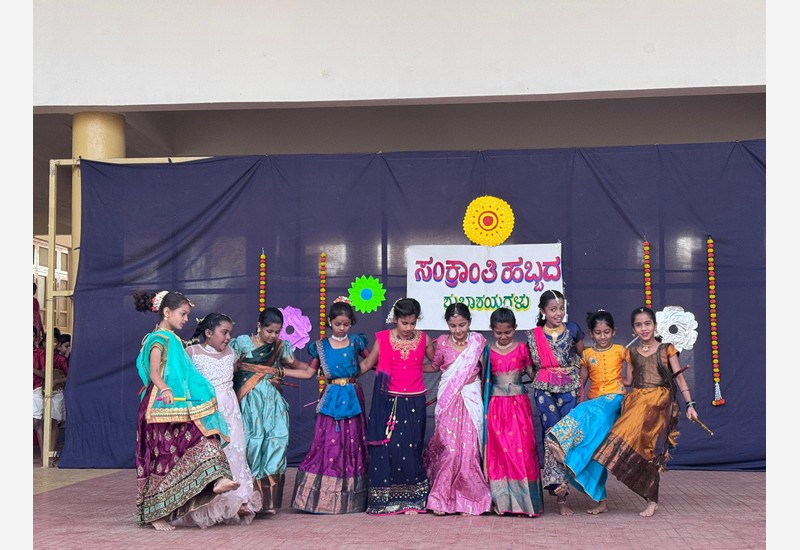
(484, 278)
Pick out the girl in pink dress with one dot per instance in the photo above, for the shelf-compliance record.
(512, 461)
(396, 427)
(452, 457)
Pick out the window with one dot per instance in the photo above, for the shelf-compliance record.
(63, 306)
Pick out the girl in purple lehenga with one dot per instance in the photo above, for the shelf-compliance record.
(332, 478)
(452, 458)
(180, 463)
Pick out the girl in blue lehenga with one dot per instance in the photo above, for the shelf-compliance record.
(573, 440)
(332, 478)
(265, 413)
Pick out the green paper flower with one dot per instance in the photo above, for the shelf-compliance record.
(366, 294)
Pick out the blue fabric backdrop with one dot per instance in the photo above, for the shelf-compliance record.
(199, 227)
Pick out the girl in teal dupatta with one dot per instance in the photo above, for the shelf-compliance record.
(265, 413)
(180, 464)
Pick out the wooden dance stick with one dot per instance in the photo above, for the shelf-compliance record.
(674, 374)
(697, 421)
(179, 399)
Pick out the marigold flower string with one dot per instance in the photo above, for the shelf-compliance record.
(322, 314)
(262, 281)
(648, 293)
(712, 308)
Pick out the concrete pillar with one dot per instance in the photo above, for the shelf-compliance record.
(95, 136)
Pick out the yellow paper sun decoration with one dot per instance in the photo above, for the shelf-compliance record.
(488, 221)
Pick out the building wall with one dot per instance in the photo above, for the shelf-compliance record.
(260, 53)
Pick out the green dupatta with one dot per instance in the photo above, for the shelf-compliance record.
(196, 399)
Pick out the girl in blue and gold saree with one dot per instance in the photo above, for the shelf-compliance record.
(556, 347)
(332, 478)
(180, 464)
(265, 413)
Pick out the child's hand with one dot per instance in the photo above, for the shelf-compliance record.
(166, 396)
(691, 414)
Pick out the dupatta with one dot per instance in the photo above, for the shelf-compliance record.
(453, 383)
(195, 397)
(261, 364)
(339, 402)
(550, 371)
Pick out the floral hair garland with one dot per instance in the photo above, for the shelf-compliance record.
(390, 318)
(157, 299)
(344, 299)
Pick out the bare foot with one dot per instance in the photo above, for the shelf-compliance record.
(437, 512)
(243, 511)
(162, 525)
(599, 509)
(555, 450)
(497, 511)
(410, 512)
(650, 510)
(223, 485)
(563, 507)
(562, 490)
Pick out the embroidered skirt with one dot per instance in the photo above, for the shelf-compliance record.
(397, 481)
(332, 478)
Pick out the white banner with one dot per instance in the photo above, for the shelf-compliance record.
(484, 278)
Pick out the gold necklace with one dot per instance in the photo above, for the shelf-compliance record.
(645, 347)
(603, 349)
(458, 343)
(554, 332)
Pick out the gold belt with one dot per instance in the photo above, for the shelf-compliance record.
(341, 381)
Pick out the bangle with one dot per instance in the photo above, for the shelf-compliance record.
(691, 404)
(687, 389)
(166, 389)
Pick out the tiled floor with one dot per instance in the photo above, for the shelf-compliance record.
(708, 510)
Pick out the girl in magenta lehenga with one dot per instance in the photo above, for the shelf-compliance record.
(332, 478)
(396, 427)
(512, 461)
(452, 458)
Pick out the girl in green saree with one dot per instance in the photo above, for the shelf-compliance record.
(265, 413)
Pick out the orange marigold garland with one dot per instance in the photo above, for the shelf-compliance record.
(262, 281)
(322, 315)
(648, 294)
(712, 307)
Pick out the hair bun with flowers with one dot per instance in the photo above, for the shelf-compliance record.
(344, 299)
(157, 299)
